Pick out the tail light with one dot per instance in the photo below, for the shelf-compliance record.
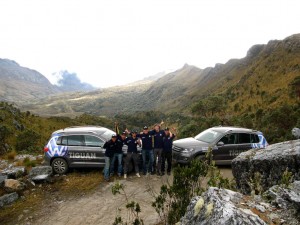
(46, 149)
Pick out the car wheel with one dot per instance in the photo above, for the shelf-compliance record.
(59, 166)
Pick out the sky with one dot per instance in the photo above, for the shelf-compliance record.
(114, 42)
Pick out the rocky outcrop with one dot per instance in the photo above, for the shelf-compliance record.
(8, 199)
(265, 167)
(219, 206)
(40, 173)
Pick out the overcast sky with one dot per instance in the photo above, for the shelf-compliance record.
(112, 42)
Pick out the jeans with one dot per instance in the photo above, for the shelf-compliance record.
(127, 160)
(106, 168)
(157, 154)
(112, 165)
(147, 154)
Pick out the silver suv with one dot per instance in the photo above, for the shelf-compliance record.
(226, 143)
(77, 147)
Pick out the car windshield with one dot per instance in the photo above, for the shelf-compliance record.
(208, 136)
(107, 134)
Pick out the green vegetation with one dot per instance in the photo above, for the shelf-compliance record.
(23, 132)
(189, 181)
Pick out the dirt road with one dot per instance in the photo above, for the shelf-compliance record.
(101, 207)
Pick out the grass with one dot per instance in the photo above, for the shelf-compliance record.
(40, 197)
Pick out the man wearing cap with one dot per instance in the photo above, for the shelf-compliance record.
(111, 147)
(158, 136)
(132, 154)
(119, 152)
(147, 150)
(167, 151)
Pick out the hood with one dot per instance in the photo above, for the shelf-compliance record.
(189, 142)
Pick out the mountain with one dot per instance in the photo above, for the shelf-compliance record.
(266, 77)
(19, 84)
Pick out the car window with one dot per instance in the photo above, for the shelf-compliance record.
(64, 140)
(75, 140)
(229, 139)
(93, 141)
(244, 138)
(208, 136)
(254, 138)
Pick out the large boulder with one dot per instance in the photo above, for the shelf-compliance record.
(40, 173)
(8, 199)
(222, 207)
(265, 167)
(14, 172)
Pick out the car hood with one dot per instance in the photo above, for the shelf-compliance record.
(189, 142)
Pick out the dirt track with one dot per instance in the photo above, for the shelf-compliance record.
(101, 206)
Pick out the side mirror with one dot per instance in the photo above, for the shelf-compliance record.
(221, 143)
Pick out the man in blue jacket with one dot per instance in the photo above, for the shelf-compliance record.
(132, 154)
(111, 147)
(158, 136)
(167, 151)
(119, 152)
(147, 150)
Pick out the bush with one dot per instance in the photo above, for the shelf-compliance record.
(27, 141)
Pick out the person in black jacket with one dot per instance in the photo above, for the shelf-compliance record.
(119, 152)
(111, 147)
(167, 151)
(147, 150)
(132, 154)
(158, 136)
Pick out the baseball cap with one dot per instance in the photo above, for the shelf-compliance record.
(145, 128)
(113, 136)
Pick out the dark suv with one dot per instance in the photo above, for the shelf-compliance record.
(226, 143)
(78, 147)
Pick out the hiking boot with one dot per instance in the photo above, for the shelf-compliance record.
(138, 175)
(125, 176)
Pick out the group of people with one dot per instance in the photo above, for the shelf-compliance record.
(156, 150)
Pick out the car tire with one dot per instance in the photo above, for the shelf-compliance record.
(59, 166)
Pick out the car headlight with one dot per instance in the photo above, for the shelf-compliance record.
(188, 150)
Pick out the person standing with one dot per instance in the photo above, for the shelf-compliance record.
(132, 154)
(167, 151)
(110, 148)
(158, 136)
(147, 150)
(119, 152)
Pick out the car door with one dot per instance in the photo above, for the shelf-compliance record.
(226, 147)
(76, 149)
(94, 151)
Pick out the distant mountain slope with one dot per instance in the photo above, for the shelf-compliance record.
(20, 84)
(263, 78)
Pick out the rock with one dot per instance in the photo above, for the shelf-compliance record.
(265, 167)
(12, 185)
(219, 206)
(2, 179)
(285, 198)
(14, 172)
(8, 199)
(40, 173)
(3, 164)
